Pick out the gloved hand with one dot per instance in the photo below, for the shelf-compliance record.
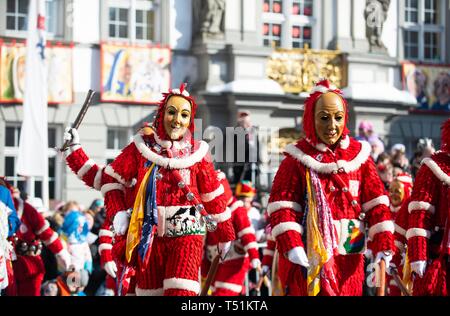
(111, 268)
(121, 222)
(297, 255)
(224, 248)
(386, 256)
(64, 259)
(71, 135)
(265, 269)
(419, 267)
(255, 263)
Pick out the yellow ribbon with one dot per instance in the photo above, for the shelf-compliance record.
(137, 217)
(407, 273)
(317, 253)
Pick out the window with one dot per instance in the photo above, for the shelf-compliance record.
(288, 23)
(16, 15)
(54, 17)
(423, 30)
(132, 19)
(117, 139)
(12, 138)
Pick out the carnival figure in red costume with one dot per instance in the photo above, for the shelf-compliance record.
(176, 195)
(34, 231)
(399, 195)
(243, 254)
(120, 276)
(428, 233)
(343, 193)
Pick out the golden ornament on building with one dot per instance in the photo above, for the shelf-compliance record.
(296, 70)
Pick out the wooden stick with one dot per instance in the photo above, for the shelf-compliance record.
(211, 274)
(381, 289)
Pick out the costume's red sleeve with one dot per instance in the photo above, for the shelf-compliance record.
(375, 204)
(214, 200)
(284, 208)
(116, 176)
(85, 168)
(105, 239)
(245, 232)
(401, 226)
(269, 251)
(421, 208)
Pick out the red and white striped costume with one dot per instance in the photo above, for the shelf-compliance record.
(90, 173)
(269, 251)
(429, 208)
(350, 160)
(29, 270)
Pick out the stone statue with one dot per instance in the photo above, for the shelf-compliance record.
(375, 14)
(209, 17)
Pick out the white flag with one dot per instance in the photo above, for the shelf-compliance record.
(33, 145)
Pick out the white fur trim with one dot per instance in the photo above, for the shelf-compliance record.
(43, 228)
(104, 246)
(52, 238)
(395, 209)
(247, 230)
(321, 147)
(345, 142)
(111, 172)
(85, 168)
(105, 232)
(182, 284)
(162, 143)
(171, 163)
(322, 89)
(405, 179)
(399, 245)
(222, 217)
(71, 150)
(149, 292)
(327, 168)
(98, 178)
(111, 186)
(251, 245)
(399, 230)
(208, 197)
(278, 205)
(228, 286)
(419, 205)
(417, 232)
(437, 171)
(235, 205)
(268, 252)
(286, 226)
(385, 226)
(221, 176)
(383, 199)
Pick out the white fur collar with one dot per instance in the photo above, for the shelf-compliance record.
(344, 143)
(320, 167)
(170, 163)
(437, 171)
(169, 144)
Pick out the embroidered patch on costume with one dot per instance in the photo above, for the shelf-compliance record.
(352, 239)
(353, 187)
(185, 221)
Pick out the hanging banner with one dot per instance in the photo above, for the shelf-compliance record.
(430, 84)
(134, 74)
(12, 73)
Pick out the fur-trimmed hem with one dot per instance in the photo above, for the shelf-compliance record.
(182, 284)
(228, 286)
(327, 168)
(171, 163)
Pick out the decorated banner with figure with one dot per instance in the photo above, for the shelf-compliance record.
(12, 73)
(430, 84)
(134, 74)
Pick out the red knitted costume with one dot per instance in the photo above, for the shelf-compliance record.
(174, 263)
(354, 193)
(231, 272)
(429, 210)
(29, 268)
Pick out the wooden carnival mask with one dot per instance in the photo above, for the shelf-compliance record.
(396, 193)
(329, 118)
(177, 117)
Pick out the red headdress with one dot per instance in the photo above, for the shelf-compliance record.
(407, 181)
(158, 123)
(245, 188)
(445, 146)
(321, 87)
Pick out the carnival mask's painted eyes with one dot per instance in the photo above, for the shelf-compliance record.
(177, 117)
(329, 118)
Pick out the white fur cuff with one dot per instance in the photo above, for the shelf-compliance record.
(208, 197)
(182, 284)
(248, 230)
(419, 205)
(383, 199)
(417, 232)
(381, 227)
(222, 217)
(286, 226)
(110, 187)
(278, 205)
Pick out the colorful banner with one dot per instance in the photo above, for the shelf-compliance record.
(430, 84)
(134, 74)
(12, 73)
